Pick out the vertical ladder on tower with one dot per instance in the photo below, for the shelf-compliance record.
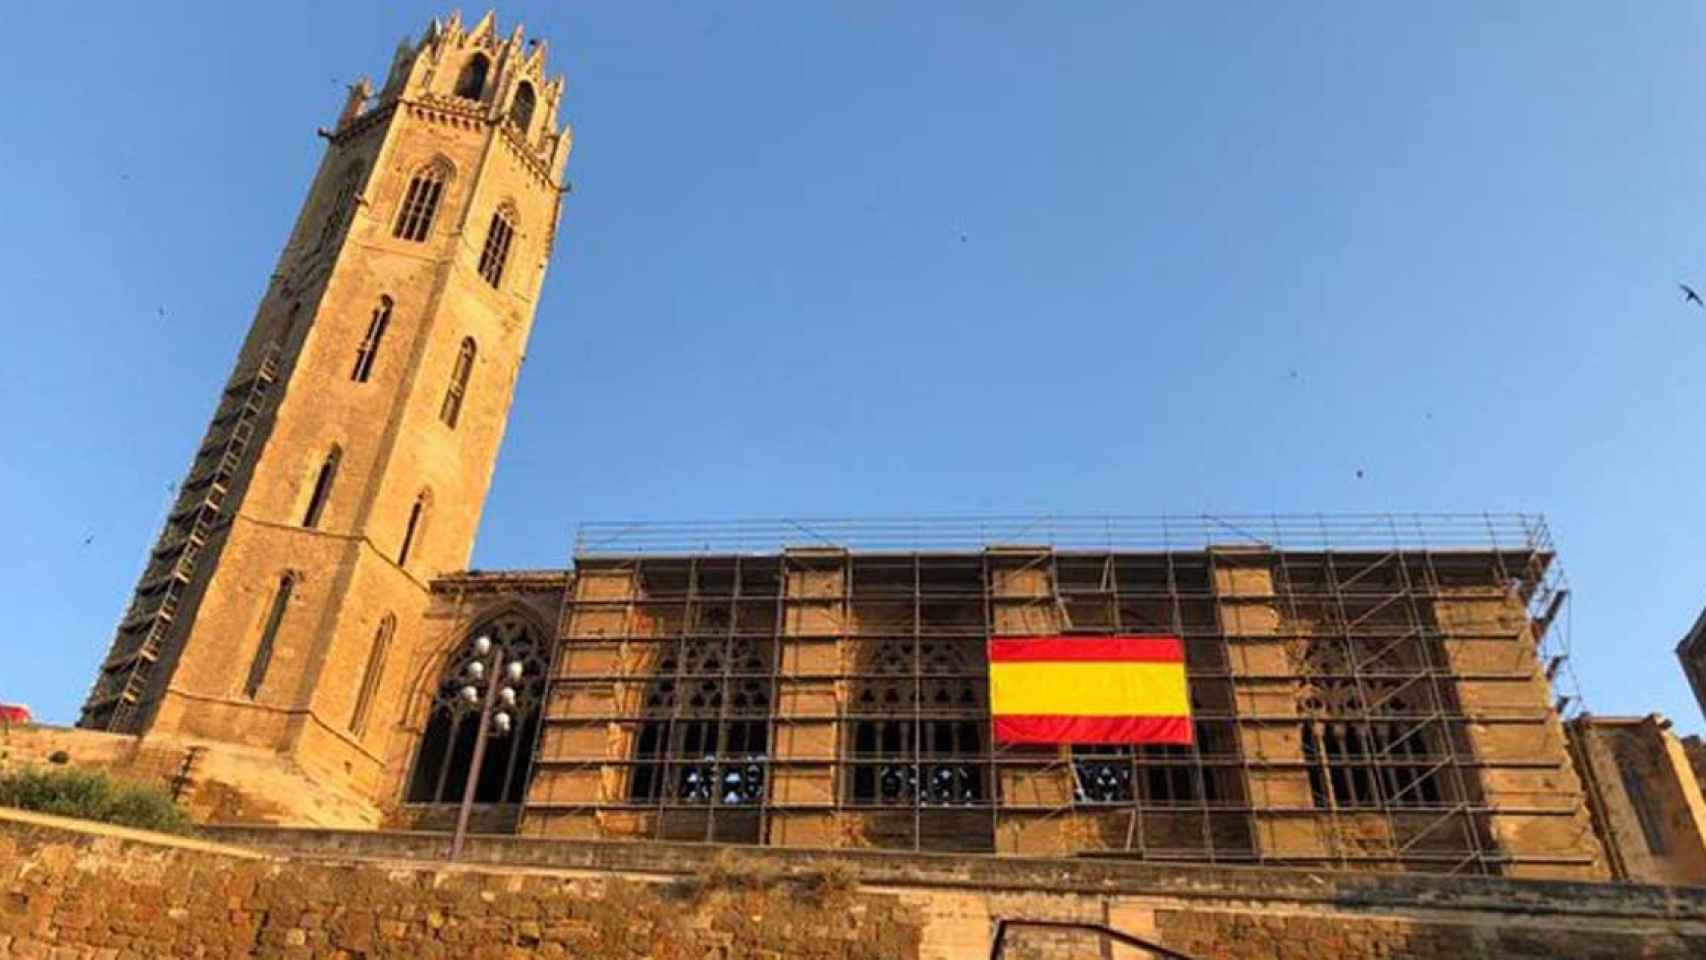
(199, 511)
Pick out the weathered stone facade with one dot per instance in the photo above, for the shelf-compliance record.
(1371, 710)
(349, 459)
(1646, 799)
(97, 892)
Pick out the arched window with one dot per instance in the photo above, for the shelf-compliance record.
(322, 488)
(472, 82)
(899, 760)
(446, 749)
(496, 250)
(451, 410)
(710, 739)
(269, 636)
(371, 676)
(369, 349)
(412, 532)
(420, 204)
(1386, 755)
(1158, 774)
(343, 200)
(521, 111)
(1643, 808)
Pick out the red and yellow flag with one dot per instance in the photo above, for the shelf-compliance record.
(1089, 690)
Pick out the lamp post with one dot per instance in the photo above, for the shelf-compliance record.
(483, 669)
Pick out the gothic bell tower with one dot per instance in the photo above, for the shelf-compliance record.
(349, 455)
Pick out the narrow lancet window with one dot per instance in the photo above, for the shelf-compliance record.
(496, 250)
(322, 489)
(451, 410)
(269, 636)
(417, 516)
(368, 352)
(521, 111)
(371, 676)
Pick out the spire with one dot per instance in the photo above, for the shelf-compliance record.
(535, 61)
(486, 28)
(354, 100)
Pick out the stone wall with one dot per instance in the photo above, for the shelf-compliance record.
(93, 891)
(1647, 805)
(216, 782)
(83, 893)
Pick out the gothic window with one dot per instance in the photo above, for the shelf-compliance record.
(472, 81)
(1160, 774)
(373, 673)
(446, 749)
(521, 111)
(420, 203)
(411, 532)
(1643, 809)
(919, 739)
(343, 201)
(368, 351)
(322, 488)
(1367, 758)
(269, 636)
(707, 739)
(496, 250)
(1155, 775)
(451, 409)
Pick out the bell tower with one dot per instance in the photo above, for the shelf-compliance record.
(349, 454)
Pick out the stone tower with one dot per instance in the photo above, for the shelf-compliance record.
(349, 455)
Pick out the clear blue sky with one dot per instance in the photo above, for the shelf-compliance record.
(1461, 224)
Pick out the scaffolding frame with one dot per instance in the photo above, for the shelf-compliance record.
(123, 687)
(1374, 588)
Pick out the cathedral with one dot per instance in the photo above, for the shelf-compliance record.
(1373, 693)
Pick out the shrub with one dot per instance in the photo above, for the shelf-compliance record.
(731, 874)
(833, 882)
(93, 796)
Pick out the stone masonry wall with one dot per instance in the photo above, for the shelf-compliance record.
(216, 782)
(65, 895)
(84, 891)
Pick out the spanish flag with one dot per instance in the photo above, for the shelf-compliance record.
(1089, 690)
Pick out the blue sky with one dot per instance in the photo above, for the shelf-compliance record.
(1461, 224)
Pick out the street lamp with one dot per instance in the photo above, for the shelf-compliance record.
(499, 692)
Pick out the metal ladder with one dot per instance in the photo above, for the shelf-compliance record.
(199, 511)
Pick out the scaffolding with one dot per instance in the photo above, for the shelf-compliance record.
(144, 633)
(1367, 692)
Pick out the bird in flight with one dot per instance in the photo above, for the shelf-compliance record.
(1689, 296)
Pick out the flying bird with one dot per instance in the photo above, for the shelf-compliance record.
(88, 540)
(1689, 296)
(1359, 474)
